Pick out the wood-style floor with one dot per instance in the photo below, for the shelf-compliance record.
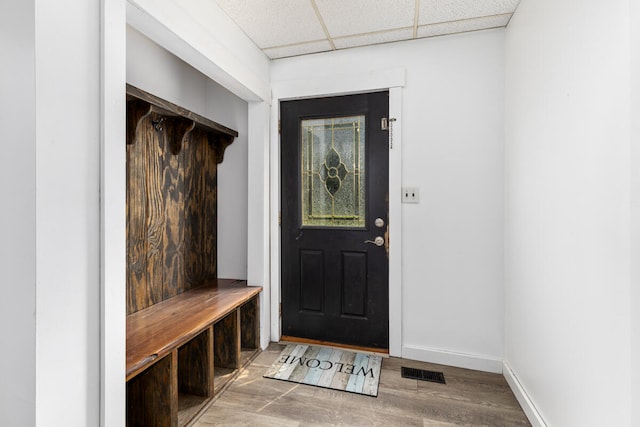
(470, 398)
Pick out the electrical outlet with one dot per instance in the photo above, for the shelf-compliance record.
(410, 195)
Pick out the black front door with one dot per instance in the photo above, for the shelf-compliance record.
(335, 163)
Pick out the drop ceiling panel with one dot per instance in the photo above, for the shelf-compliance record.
(344, 18)
(435, 11)
(463, 26)
(373, 38)
(298, 49)
(275, 22)
(283, 28)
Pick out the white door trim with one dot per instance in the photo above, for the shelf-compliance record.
(393, 80)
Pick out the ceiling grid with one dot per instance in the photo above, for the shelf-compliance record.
(284, 28)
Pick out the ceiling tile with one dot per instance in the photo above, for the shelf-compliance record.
(435, 11)
(463, 26)
(345, 18)
(298, 49)
(275, 22)
(373, 38)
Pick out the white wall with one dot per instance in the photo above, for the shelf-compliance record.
(452, 112)
(228, 109)
(258, 242)
(567, 210)
(67, 200)
(201, 34)
(18, 214)
(153, 69)
(50, 224)
(113, 187)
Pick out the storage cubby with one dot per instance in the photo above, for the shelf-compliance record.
(151, 395)
(195, 375)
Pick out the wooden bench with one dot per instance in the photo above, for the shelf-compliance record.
(183, 350)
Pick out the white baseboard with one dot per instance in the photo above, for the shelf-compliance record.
(460, 360)
(523, 398)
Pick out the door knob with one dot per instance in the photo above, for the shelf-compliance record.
(378, 241)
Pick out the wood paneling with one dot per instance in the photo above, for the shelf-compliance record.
(172, 178)
(154, 215)
(172, 159)
(200, 209)
(138, 294)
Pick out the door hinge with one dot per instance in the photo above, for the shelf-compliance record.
(279, 217)
(280, 310)
(279, 127)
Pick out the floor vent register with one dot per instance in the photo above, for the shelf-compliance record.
(423, 375)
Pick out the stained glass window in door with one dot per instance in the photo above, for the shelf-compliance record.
(333, 172)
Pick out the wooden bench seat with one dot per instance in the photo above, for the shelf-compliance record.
(173, 346)
(153, 332)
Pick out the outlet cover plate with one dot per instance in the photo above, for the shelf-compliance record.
(410, 195)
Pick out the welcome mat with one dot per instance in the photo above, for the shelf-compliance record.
(329, 368)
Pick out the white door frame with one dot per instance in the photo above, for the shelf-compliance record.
(393, 80)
